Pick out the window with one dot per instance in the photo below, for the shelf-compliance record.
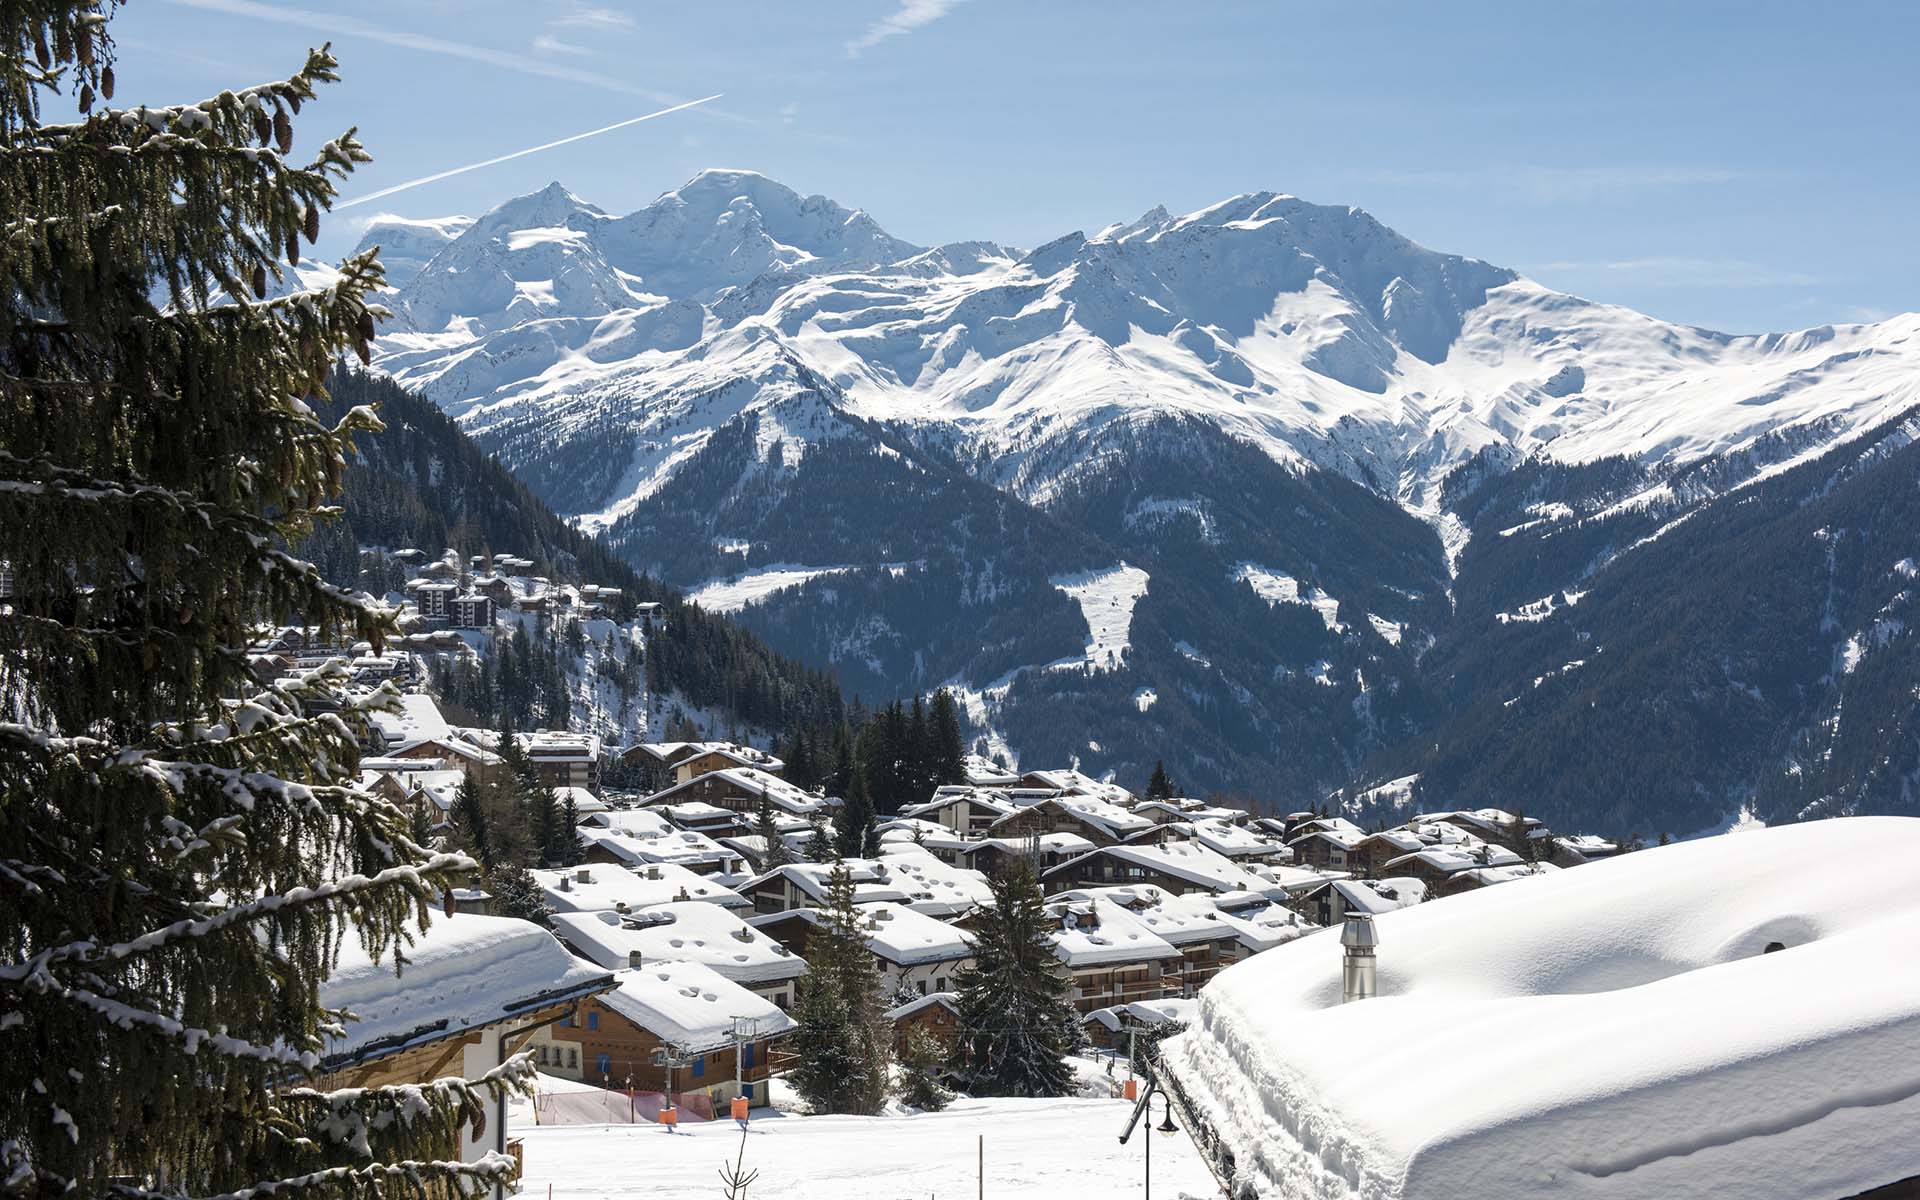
(940, 984)
(922, 985)
(747, 1052)
(566, 1022)
(603, 1064)
(573, 1058)
(593, 1020)
(699, 1065)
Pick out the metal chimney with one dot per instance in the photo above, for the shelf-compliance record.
(1357, 963)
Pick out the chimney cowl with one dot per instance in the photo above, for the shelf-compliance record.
(1358, 933)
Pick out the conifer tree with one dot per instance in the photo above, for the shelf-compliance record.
(768, 830)
(920, 1071)
(470, 824)
(842, 1039)
(1159, 787)
(853, 832)
(185, 848)
(949, 747)
(1016, 1027)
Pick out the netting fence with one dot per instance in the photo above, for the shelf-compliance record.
(600, 1106)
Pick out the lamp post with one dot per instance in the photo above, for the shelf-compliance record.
(1166, 1126)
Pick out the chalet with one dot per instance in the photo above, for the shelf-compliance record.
(1237, 842)
(1329, 903)
(1114, 1028)
(678, 1027)
(1106, 954)
(936, 1014)
(1073, 783)
(600, 888)
(687, 931)
(968, 811)
(1435, 865)
(740, 790)
(910, 950)
(1371, 854)
(1177, 867)
(1045, 851)
(1573, 850)
(1191, 925)
(681, 761)
(1259, 924)
(1325, 849)
(804, 885)
(982, 772)
(1100, 822)
(563, 759)
(934, 888)
(635, 850)
(696, 816)
(475, 990)
(1494, 825)
(1475, 878)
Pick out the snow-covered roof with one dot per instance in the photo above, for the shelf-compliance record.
(984, 772)
(1630, 1036)
(691, 1006)
(462, 972)
(933, 887)
(1234, 841)
(1195, 864)
(947, 1000)
(602, 886)
(1180, 920)
(688, 931)
(673, 846)
(1143, 1013)
(873, 880)
(1451, 859)
(1076, 783)
(900, 935)
(1108, 818)
(750, 781)
(417, 719)
(1094, 931)
(1379, 895)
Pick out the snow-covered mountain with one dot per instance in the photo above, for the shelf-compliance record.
(1223, 477)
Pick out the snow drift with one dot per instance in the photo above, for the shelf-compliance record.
(1616, 1031)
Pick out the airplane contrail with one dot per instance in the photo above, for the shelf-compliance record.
(448, 174)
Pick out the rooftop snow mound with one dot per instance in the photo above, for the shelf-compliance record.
(1616, 1031)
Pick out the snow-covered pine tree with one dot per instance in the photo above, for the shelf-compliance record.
(1016, 1027)
(768, 830)
(949, 749)
(853, 833)
(920, 1071)
(184, 847)
(842, 1041)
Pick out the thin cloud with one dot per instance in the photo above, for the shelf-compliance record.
(546, 43)
(351, 27)
(604, 19)
(1679, 271)
(911, 15)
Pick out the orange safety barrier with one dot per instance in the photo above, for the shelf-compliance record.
(740, 1108)
(1131, 1089)
(669, 1116)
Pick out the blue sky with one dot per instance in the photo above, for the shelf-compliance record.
(1745, 166)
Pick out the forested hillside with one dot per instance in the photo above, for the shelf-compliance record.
(422, 483)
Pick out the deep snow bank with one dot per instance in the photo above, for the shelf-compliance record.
(1613, 1031)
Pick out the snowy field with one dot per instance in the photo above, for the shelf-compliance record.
(1051, 1149)
(1106, 600)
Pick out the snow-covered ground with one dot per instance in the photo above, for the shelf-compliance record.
(732, 595)
(1044, 1149)
(1735, 1016)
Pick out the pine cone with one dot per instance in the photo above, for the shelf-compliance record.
(62, 44)
(83, 48)
(262, 126)
(86, 97)
(293, 248)
(40, 53)
(260, 281)
(366, 326)
(283, 131)
(360, 348)
(312, 229)
(106, 82)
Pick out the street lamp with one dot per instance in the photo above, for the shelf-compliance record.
(1166, 1126)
